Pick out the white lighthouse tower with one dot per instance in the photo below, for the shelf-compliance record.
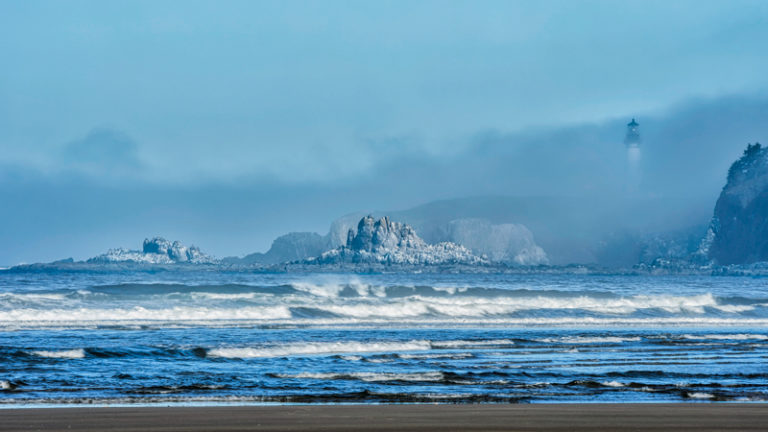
(633, 134)
(632, 141)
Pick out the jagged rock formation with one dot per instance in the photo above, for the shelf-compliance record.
(739, 228)
(290, 247)
(386, 242)
(156, 250)
(506, 242)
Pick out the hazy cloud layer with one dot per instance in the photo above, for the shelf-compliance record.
(318, 92)
(233, 123)
(685, 155)
(102, 152)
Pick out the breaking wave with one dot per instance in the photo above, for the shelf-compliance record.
(214, 337)
(318, 348)
(591, 340)
(358, 303)
(64, 354)
(368, 376)
(740, 337)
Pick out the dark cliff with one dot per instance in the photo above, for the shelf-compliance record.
(739, 230)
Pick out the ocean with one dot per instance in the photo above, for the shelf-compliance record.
(218, 337)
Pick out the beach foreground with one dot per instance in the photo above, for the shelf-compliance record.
(537, 417)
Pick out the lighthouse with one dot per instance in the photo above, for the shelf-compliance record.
(632, 139)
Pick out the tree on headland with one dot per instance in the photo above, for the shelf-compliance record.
(752, 153)
(752, 149)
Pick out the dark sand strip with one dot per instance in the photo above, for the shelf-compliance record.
(561, 417)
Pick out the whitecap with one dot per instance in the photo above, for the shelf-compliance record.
(317, 348)
(68, 354)
(368, 376)
(179, 313)
(734, 308)
(590, 340)
(352, 358)
(332, 290)
(700, 395)
(471, 343)
(737, 336)
(223, 296)
(451, 356)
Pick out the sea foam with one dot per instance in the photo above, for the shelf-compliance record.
(367, 376)
(64, 354)
(353, 303)
(318, 348)
(739, 336)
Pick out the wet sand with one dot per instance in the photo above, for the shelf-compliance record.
(560, 417)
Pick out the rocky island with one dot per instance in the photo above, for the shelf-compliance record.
(156, 250)
(383, 241)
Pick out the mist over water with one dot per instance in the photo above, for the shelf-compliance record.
(634, 172)
(583, 169)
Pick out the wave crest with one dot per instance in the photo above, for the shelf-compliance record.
(64, 354)
(318, 348)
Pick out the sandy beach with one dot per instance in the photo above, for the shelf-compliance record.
(544, 417)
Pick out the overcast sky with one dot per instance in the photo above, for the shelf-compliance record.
(310, 97)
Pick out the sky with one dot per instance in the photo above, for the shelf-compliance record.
(228, 123)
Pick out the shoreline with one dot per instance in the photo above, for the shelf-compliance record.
(491, 417)
(358, 404)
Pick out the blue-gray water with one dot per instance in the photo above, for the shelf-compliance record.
(236, 337)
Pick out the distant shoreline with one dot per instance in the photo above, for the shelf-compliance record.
(755, 269)
(543, 417)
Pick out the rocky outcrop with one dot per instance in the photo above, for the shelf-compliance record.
(739, 229)
(156, 250)
(509, 243)
(383, 241)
